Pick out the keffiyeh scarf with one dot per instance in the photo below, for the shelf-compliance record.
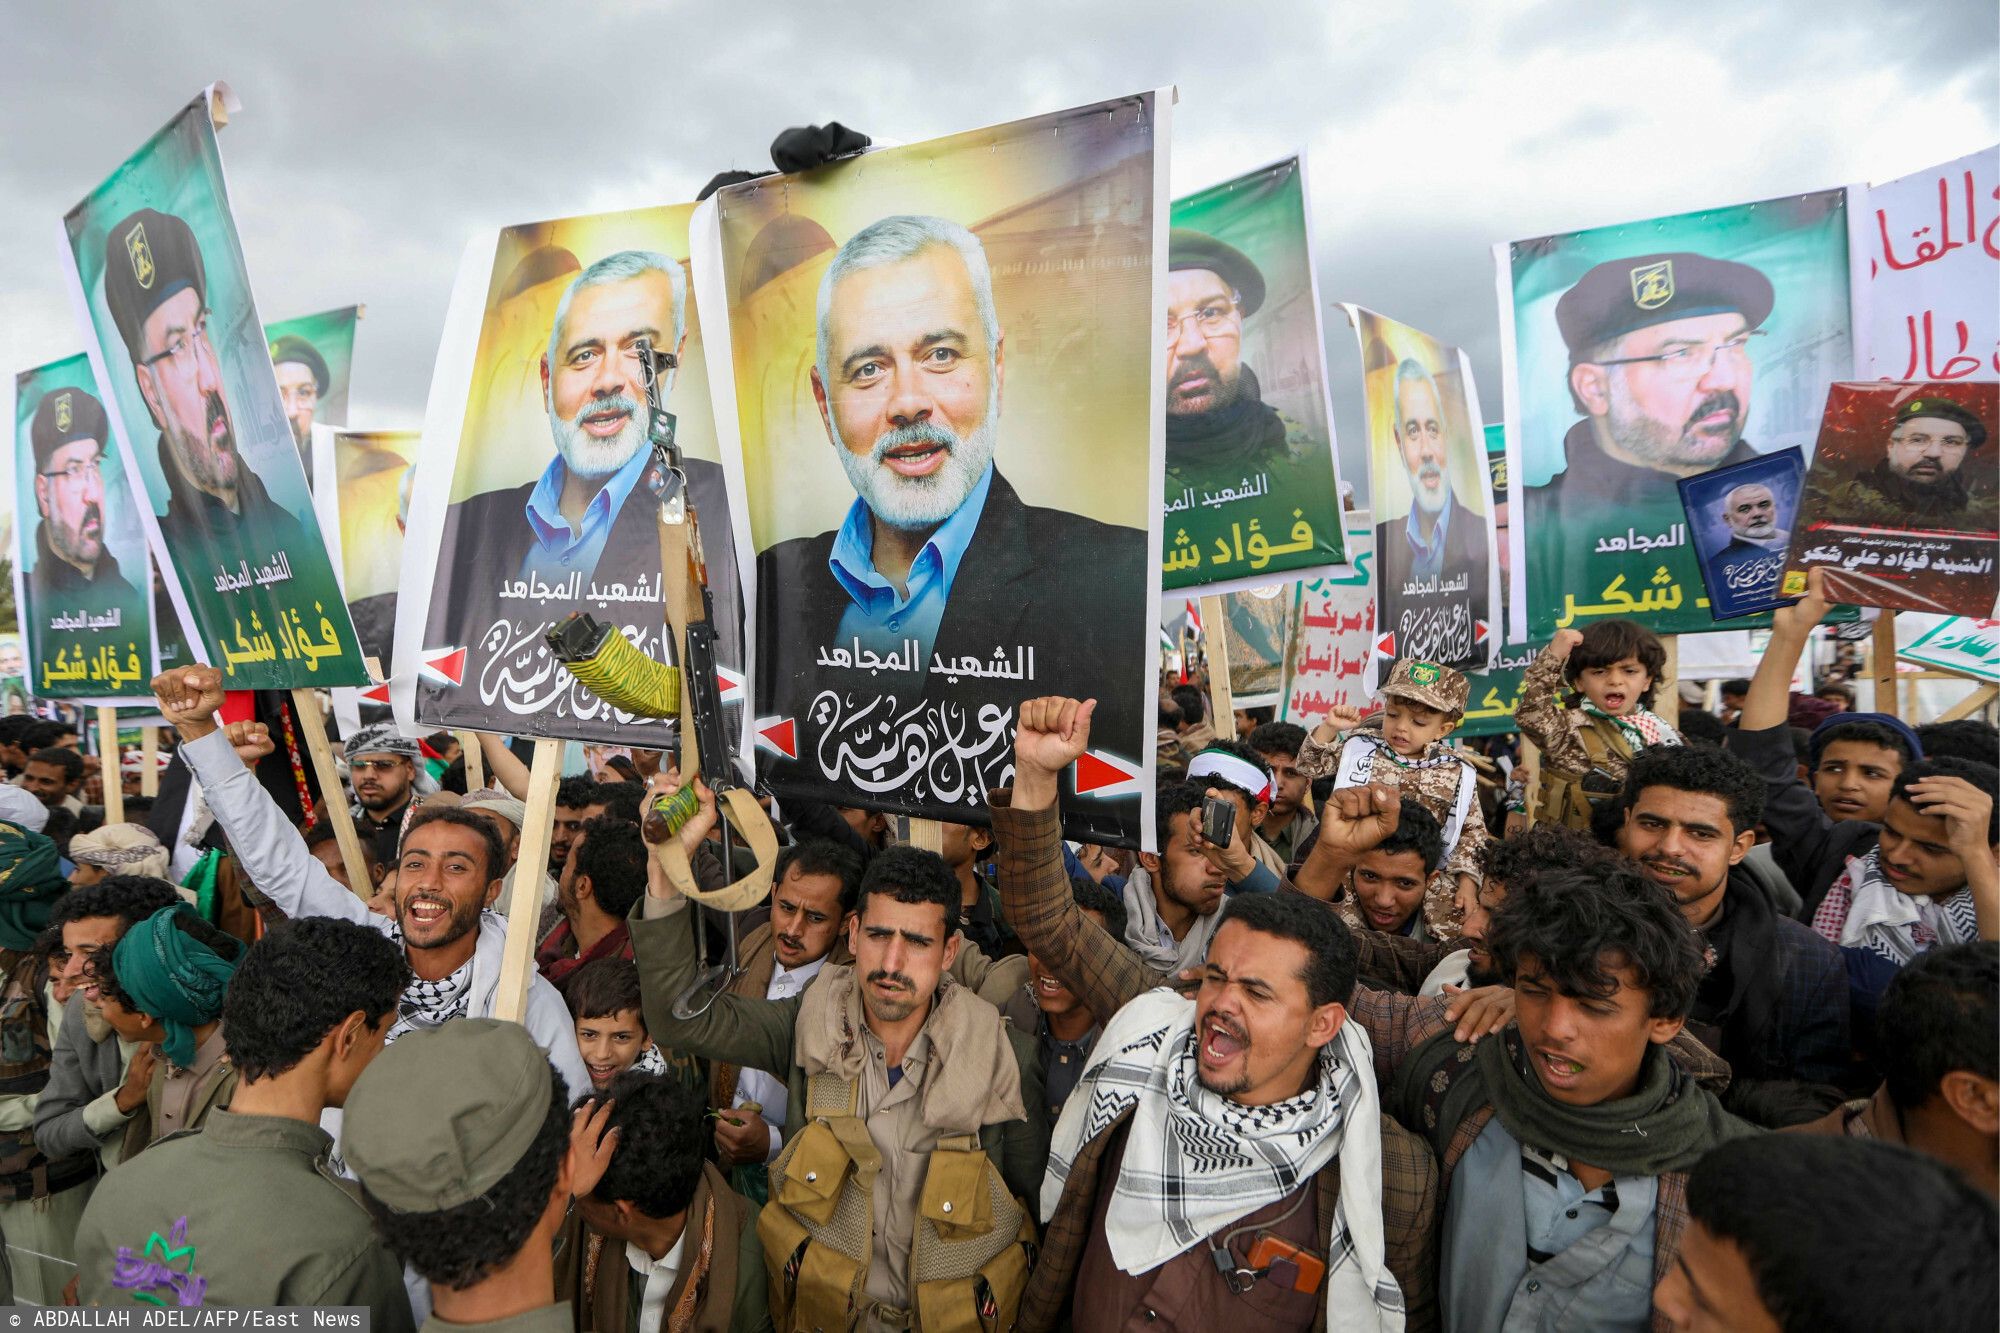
(429, 1004)
(1642, 726)
(1195, 1161)
(1863, 910)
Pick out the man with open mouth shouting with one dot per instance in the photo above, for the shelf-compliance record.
(448, 873)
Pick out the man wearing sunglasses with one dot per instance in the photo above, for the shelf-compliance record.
(74, 571)
(156, 286)
(1660, 367)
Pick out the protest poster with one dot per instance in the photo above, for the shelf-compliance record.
(156, 274)
(80, 569)
(1969, 645)
(1495, 692)
(1740, 518)
(13, 673)
(361, 490)
(1902, 502)
(1637, 354)
(1253, 485)
(1932, 297)
(1326, 659)
(930, 551)
(1436, 577)
(313, 356)
(536, 493)
(1260, 625)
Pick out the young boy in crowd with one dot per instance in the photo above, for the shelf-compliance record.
(1403, 746)
(611, 1025)
(1612, 671)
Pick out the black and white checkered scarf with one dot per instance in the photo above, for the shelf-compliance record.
(1196, 1161)
(429, 1004)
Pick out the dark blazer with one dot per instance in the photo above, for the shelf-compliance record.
(1079, 591)
(1464, 548)
(487, 537)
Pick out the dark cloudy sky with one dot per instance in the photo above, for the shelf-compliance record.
(375, 137)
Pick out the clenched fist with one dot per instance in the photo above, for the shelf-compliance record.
(188, 697)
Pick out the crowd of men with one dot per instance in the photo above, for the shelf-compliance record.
(1718, 1054)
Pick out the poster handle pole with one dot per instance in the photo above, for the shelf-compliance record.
(1667, 696)
(475, 760)
(332, 808)
(149, 755)
(107, 764)
(1882, 648)
(924, 834)
(1221, 701)
(524, 904)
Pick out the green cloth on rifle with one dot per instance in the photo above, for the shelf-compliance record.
(31, 880)
(173, 976)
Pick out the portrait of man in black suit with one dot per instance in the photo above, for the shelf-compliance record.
(941, 583)
(584, 534)
(1432, 561)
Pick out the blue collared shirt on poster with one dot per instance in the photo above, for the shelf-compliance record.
(878, 616)
(1427, 558)
(562, 548)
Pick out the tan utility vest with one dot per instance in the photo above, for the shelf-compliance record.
(1563, 799)
(973, 1246)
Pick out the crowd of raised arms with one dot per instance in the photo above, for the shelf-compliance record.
(1706, 1039)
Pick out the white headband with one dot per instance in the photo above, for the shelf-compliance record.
(1238, 772)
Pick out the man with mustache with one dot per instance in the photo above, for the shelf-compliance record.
(1438, 539)
(889, 1065)
(1660, 368)
(593, 511)
(938, 548)
(74, 570)
(302, 381)
(218, 511)
(1774, 999)
(448, 873)
(1921, 480)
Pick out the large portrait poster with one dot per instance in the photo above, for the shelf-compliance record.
(157, 276)
(361, 487)
(942, 379)
(1326, 658)
(1253, 488)
(313, 356)
(1437, 579)
(1638, 354)
(538, 493)
(1902, 503)
(1933, 288)
(80, 568)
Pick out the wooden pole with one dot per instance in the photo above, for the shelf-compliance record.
(1221, 700)
(107, 765)
(524, 906)
(1882, 646)
(924, 834)
(332, 805)
(1970, 704)
(149, 755)
(475, 760)
(1667, 694)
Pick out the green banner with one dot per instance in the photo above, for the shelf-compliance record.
(1252, 492)
(81, 554)
(159, 278)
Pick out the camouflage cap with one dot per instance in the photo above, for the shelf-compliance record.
(439, 1118)
(1430, 684)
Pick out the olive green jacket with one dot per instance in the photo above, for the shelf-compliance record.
(244, 1211)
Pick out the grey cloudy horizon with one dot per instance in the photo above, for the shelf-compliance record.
(375, 138)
